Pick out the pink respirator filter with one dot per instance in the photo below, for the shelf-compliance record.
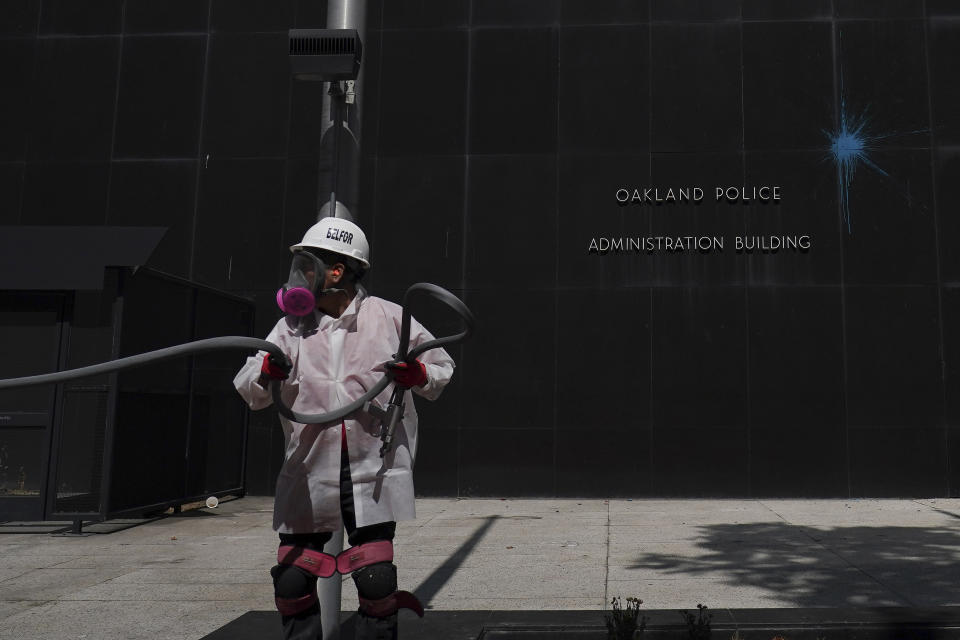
(296, 301)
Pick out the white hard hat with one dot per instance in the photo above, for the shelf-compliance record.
(338, 235)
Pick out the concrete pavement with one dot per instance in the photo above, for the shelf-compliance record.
(185, 575)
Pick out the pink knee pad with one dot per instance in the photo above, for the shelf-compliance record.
(371, 553)
(322, 565)
(365, 554)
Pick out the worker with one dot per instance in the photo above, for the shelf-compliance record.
(340, 341)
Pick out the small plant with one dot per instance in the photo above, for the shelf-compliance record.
(698, 626)
(625, 623)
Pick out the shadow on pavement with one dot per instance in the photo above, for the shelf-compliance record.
(855, 566)
(435, 581)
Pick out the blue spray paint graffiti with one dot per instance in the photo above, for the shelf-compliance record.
(850, 145)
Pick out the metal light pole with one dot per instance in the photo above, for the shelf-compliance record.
(332, 55)
(342, 105)
(341, 117)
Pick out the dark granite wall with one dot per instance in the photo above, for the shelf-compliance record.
(510, 126)
(495, 136)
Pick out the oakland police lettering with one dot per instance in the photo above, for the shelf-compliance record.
(340, 235)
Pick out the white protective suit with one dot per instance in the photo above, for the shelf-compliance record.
(335, 361)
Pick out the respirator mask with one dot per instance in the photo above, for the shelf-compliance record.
(298, 296)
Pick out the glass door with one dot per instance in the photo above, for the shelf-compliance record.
(30, 332)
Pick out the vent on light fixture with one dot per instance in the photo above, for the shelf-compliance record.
(325, 54)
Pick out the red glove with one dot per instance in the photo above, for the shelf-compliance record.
(409, 374)
(274, 368)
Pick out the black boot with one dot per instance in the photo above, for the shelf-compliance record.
(303, 626)
(370, 628)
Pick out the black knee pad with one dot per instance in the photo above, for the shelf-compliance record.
(292, 582)
(376, 581)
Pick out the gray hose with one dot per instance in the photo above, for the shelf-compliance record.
(139, 360)
(321, 418)
(204, 346)
(242, 342)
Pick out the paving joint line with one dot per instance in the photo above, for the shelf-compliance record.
(606, 564)
(19, 575)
